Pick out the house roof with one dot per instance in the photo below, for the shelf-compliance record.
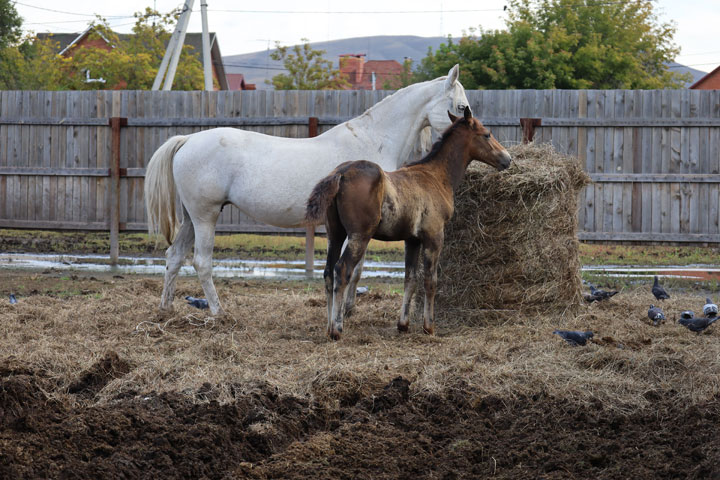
(707, 77)
(193, 39)
(236, 81)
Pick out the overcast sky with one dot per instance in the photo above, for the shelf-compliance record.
(244, 27)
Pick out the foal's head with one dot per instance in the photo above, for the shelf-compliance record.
(483, 145)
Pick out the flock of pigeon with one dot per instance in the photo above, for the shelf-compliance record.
(687, 318)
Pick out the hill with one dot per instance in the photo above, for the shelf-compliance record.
(258, 66)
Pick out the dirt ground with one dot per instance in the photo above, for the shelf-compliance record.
(95, 384)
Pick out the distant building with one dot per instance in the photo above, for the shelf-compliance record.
(371, 74)
(69, 42)
(236, 81)
(711, 81)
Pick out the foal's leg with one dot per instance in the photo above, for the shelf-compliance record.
(352, 287)
(204, 243)
(357, 244)
(412, 251)
(336, 236)
(175, 256)
(431, 254)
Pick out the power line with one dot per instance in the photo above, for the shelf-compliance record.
(355, 12)
(65, 12)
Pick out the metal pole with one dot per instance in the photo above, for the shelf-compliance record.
(172, 44)
(206, 47)
(182, 24)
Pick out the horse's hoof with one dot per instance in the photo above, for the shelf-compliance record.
(165, 312)
(334, 335)
(429, 330)
(403, 328)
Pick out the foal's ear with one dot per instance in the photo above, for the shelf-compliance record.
(452, 117)
(467, 113)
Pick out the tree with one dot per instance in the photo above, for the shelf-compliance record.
(307, 69)
(10, 24)
(131, 63)
(568, 44)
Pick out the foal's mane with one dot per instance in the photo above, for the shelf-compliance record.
(436, 146)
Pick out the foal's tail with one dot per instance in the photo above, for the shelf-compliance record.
(160, 189)
(321, 197)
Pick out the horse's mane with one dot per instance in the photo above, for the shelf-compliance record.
(397, 95)
(436, 146)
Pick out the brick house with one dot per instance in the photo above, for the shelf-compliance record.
(711, 81)
(371, 74)
(69, 42)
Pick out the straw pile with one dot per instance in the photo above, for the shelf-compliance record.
(512, 244)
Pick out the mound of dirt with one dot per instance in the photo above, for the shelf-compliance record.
(385, 434)
(101, 373)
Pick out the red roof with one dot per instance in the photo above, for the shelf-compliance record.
(236, 81)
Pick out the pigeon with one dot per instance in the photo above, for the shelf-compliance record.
(697, 324)
(656, 315)
(574, 338)
(200, 303)
(659, 291)
(362, 290)
(13, 300)
(687, 315)
(710, 309)
(598, 295)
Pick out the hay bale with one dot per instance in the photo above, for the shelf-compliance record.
(512, 243)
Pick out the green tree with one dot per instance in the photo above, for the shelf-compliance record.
(307, 69)
(10, 24)
(568, 44)
(132, 63)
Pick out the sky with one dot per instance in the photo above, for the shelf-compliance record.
(245, 27)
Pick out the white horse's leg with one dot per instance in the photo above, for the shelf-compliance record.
(175, 256)
(204, 243)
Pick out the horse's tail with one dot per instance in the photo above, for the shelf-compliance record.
(321, 197)
(160, 189)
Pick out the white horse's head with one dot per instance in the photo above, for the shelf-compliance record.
(451, 98)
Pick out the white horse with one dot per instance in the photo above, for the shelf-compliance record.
(270, 178)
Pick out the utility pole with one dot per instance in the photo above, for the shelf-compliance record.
(207, 68)
(172, 52)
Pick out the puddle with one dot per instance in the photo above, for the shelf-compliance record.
(295, 270)
(279, 269)
(693, 272)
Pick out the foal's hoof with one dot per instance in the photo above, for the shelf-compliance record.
(429, 330)
(403, 328)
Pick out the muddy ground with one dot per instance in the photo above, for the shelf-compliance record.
(94, 384)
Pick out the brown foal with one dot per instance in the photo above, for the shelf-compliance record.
(360, 201)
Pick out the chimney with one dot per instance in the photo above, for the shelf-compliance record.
(352, 64)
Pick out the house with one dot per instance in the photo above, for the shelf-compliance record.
(68, 42)
(711, 81)
(236, 81)
(371, 74)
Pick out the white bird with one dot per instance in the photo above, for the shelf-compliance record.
(710, 309)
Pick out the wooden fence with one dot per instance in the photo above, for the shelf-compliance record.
(654, 155)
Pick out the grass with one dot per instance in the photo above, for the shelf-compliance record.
(275, 334)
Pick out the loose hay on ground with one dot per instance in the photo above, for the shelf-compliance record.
(512, 243)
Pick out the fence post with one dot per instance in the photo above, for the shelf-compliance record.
(528, 125)
(310, 229)
(116, 123)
